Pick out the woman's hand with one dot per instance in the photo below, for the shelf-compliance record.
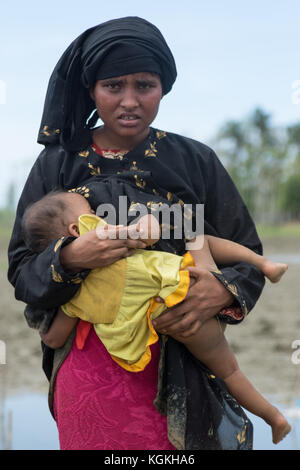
(89, 251)
(206, 297)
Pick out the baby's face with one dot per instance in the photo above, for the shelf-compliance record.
(78, 205)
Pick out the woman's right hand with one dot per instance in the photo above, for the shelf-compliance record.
(89, 251)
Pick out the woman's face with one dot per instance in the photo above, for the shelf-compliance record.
(127, 106)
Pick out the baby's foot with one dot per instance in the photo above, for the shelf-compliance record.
(274, 271)
(280, 427)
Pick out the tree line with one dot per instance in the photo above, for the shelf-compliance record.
(264, 162)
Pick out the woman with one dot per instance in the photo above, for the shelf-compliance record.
(119, 71)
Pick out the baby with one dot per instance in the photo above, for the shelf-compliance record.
(122, 317)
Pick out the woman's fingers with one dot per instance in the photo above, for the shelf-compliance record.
(186, 326)
(90, 252)
(121, 233)
(113, 255)
(172, 316)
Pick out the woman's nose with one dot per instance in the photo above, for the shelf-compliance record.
(129, 99)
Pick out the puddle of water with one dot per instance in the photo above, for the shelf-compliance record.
(33, 428)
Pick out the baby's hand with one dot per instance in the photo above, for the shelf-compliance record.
(147, 229)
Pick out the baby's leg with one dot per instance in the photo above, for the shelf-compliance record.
(226, 252)
(209, 345)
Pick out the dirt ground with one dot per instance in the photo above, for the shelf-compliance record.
(262, 342)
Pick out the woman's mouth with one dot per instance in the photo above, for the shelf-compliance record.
(128, 119)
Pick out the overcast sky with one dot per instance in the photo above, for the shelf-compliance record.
(231, 57)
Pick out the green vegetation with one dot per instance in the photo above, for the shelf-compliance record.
(7, 218)
(288, 230)
(264, 162)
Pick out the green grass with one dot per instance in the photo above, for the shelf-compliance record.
(288, 230)
(6, 226)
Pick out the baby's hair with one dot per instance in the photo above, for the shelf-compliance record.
(43, 221)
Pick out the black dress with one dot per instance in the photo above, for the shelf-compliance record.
(176, 168)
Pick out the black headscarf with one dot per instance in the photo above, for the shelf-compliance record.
(68, 107)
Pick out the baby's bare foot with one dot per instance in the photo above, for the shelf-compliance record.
(280, 428)
(274, 271)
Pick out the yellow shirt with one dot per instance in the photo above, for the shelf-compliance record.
(119, 299)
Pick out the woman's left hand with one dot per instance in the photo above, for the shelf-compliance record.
(204, 300)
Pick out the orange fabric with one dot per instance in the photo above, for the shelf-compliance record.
(83, 329)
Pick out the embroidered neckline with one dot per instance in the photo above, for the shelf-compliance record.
(114, 154)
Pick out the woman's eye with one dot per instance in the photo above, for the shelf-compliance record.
(145, 85)
(113, 86)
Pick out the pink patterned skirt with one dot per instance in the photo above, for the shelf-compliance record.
(100, 406)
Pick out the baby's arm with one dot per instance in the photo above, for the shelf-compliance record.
(146, 229)
(59, 331)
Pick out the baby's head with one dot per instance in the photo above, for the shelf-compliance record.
(55, 215)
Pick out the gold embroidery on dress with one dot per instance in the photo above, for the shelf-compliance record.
(84, 153)
(231, 287)
(169, 196)
(94, 170)
(139, 181)
(152, 151)
(58, 243)
(155, 192)
(47, 131)
(241, 437)
(134, 206)
(55, 275)
(161, 134)
(245, 308)
(135, 168)
(217, 271)
(76, 280)
(154, 206)
(83, 190)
